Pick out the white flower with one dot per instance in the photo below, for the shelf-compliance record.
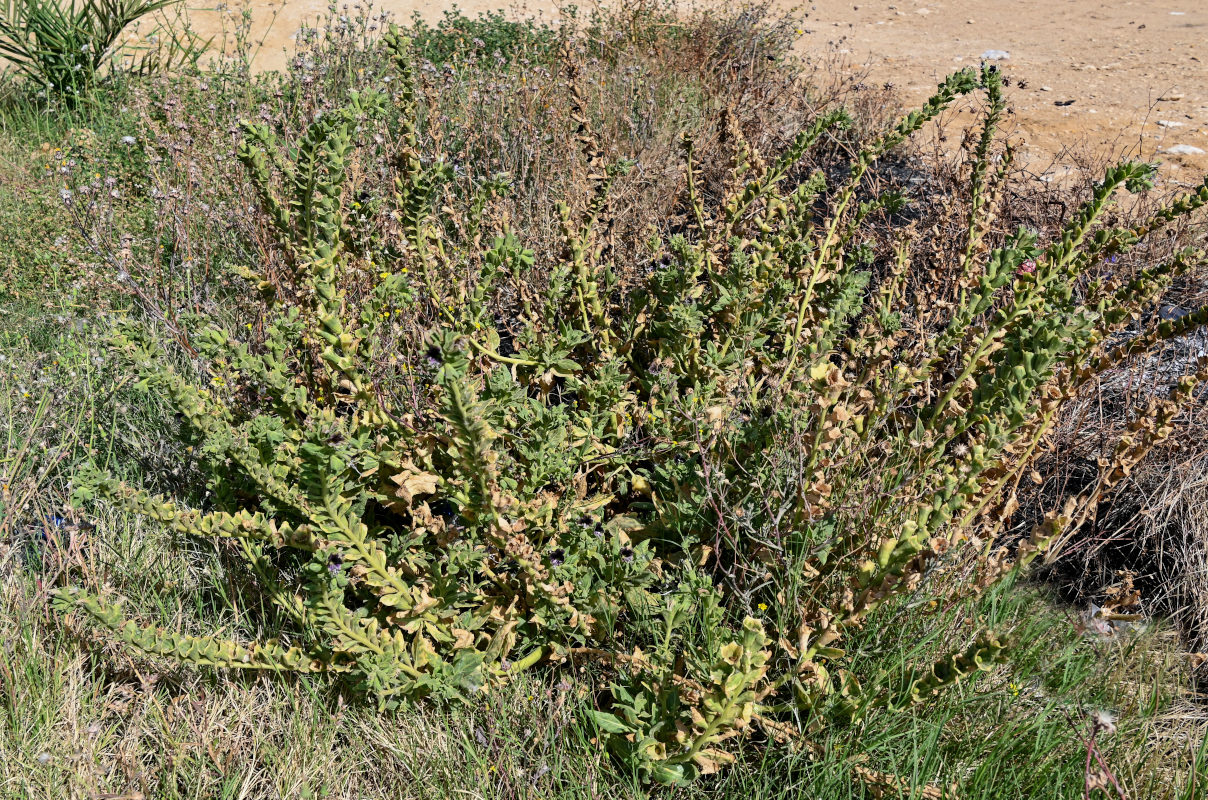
(129, 140)
(1103, 721)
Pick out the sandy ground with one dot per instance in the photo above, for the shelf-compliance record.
(1099, 78)
(1089, 78)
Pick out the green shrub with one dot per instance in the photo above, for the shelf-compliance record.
(490, 35)
(447, 463)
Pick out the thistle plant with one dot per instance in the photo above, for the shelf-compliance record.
(447, 462)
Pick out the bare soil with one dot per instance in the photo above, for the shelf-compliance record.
(1092, 79)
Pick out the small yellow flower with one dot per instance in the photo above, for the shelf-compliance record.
(763, 606)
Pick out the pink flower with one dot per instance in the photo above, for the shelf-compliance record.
(1027, 267)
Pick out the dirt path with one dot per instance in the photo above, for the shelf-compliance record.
(1096, 78)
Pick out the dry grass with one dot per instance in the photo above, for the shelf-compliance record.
(1154, 528)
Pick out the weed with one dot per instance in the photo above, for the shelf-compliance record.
(571, 464)
(567, 283)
